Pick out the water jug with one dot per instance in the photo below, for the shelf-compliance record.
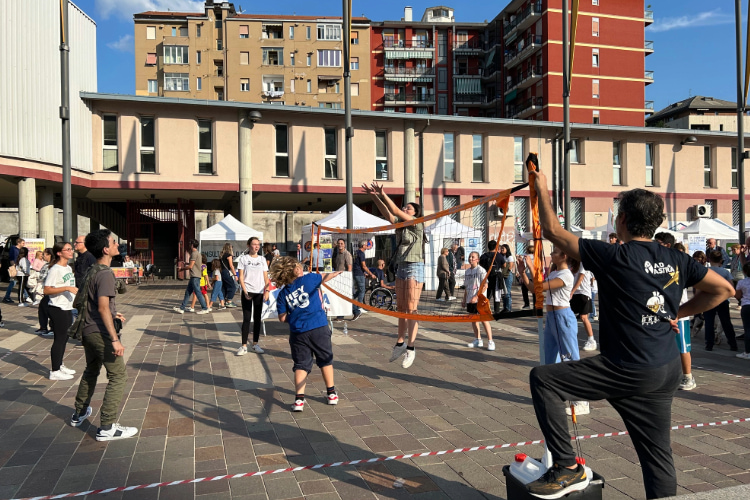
(526, 469)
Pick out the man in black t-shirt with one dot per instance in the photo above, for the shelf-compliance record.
(494, 273)
(638, 370)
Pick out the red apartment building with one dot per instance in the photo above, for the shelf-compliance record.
(431, 66)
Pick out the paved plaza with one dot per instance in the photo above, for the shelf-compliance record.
(203, 412)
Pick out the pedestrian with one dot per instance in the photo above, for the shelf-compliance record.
(268, 253)
(613, 238)
(299, 304)
(443, 272)
(452, 267)
(194, 280)
(60, 287)
(218, 291)
(580, 301)
(638, 369)
(509, 274)
(43, 310)
(316, 262)
(205, 284)
(493, 262)
(275, 250)
(410, 275)
(228, 275)
(380, 276)
(13, 258)
(712, 246)
(735, 266)
(23, 268)
(722, 310)
(472, 288)
(743, 295)
(528, 263)
(594, 292)
(84, 260)
(254, 282)
(101, 343)
(359, 272)
(343, 260)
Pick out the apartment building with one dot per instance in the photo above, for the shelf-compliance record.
(222, 54)
(699, 113)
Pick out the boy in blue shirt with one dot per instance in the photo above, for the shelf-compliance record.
(299, 304)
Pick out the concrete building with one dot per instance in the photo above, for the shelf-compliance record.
(225, 55)
(698, 113)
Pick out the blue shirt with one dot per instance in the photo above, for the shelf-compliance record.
(359, 257)
(316, 258)
(300, 300)
(378, 274)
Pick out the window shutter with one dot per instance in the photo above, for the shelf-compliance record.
(244, 29)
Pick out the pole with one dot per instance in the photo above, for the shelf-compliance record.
(740, 124)
(67, 196)
(349, 131)
(566, 112)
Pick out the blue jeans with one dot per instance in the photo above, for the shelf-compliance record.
(507, 299)
(217, 293)
(194, 286)
(560, 336)
(228, 286)
(359, 292)
(593, 302)
(9, 291)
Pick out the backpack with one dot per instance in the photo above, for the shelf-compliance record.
(75, 331)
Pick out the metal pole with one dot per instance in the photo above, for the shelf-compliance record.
(65, 119)
(349, 131)
(566, 113)
(740, 124)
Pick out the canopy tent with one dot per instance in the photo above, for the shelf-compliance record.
(447, 228)
(227, 230)
(710, 228)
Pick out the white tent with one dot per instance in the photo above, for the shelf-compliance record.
(447, 228)
(227, 230)
(710, 228)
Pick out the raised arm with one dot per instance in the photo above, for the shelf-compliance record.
(551, 228)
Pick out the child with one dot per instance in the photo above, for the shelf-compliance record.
(299, 304)
(472, 281)
(205, 285)
(743, 295)
(580, 300)
(216, 284)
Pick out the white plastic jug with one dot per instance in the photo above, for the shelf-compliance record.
(526, 469)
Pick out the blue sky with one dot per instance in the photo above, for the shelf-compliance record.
(694, 41)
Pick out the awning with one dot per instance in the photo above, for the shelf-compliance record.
(406, 79)
(244, 29)
(151, 58)
(421, 111)
(273, 25)
(512, 95)
(408, 54)
(490, 57)
(511, 38)
(468, 86)
(329, 77)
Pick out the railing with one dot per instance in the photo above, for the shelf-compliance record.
(408, 97)
(530, 42)
(534, 8)
(491, 69)
(531, 72)
(649, 105)
(467, 71)
(525, 106)
(418, 71)
(648, 45)
(273, 94)
(648, 75)
(470, 98)
(390, 43)
(473, 44)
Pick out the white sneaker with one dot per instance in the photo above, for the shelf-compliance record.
(299, 405)
(397, 352)
(178, 310)
(743, 355)
(241, 351)
(687, 383)
(333, 399)
(67, 370)
(23, 304)
(451, 298)
(590, 344)
(59, 375)
(117, 431)
(28, 300)
(408, 358)
(190, 309)
(35, 303)
(491, 345)
(476, 343)
(581, 407)
(203, 311)
(257, 349)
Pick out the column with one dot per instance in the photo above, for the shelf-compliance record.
(27, 208)
(245, 167)
(47, 216)
(93, 225)
(410, 175)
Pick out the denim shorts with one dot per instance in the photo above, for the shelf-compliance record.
(411, 271)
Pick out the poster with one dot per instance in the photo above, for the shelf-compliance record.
(696, 243)
(34, 245)
(141, 244)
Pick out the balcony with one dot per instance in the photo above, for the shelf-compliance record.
(649, 77)
(530, 45)
(523, 20)
(469, 99)
(527, 78)
(401, 98)
(391, 43)
(649, 16)
(526, 108)
(418, 74)
(461, 71)
(273, 94)
(472, 46)
(491, 71)
(648, 45)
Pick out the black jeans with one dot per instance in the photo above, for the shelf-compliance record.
(452, 284)
(495, 281)
(642, 397)
(43, 313)
(22, 280)
(251, 311)
(443, 287)
(745, 314)
(61, 321)
(726, 323)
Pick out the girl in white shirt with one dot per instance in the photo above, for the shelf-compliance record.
(22, 277)
(472, 283)
(253, 269)
(60, 287)
(581, 302)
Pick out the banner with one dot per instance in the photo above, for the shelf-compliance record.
(34, 245)
(696, 243)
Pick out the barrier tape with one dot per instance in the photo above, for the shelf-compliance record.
(359, 462)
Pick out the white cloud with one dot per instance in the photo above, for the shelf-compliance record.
(126, 8)
(124, 44)
(709, 18)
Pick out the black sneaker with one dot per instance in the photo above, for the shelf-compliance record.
(356, 315)
(8, 301)
(559, 481)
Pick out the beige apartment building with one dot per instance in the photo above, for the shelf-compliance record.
(224, 55)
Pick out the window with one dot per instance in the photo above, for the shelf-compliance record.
(183, 31)
(309, 86)
(594, 26)
(330, 105)
(329, 32)
(244, 58)
(109, 143)
(442, 79)
(273, 31)
(595, 58)
(354, 61)
(616, 164)
(595, 89)
(198, 57)
(307, 32)
(650, 181)
(199, 83)
(711, 204)
(219, 93)
(153, 87)
(381, 155)
(337, 87)
(219, 68)
(244, 31)
(197, 30)
(354, 88)
(707, 173)
(150, 32)
(734, 170)
(219, 45)
(355, 37)
(175, 54)
(273, 56)
(521, 211)
(594, 2)
(450, 202)
(309, 60)
(291, 32)
(177, 82)
(575, 151)
(205, 148)
(518, 159)
(577, 214)
(282, 151)
(329, 58)
(217, 24)
(148, 155)
(174, 31)
(244, 85)
(595, 119)
(449, 157)
(291, 58)
(331, 172)
(477, 160)
(735, 212)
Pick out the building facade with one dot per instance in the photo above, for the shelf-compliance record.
(699, 113)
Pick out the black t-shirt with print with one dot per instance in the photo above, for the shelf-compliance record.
(640, 287)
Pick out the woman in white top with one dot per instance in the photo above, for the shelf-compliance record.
(580, 300)
(472, 283)
(253, 269)
(60, 287)
(23, 268)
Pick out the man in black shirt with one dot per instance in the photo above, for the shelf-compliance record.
(84, 260)
(494, 272)
(638, 370)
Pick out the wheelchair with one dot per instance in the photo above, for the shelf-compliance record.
(379, 297)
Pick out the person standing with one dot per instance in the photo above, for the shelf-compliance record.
(452, 266)
(509, 273)
(299, 252)
(60, 287)
(228, 275)
(443, 272)
(43, 310)
(473, 287)
(343, 260)
(84, 260)
(722, 310)
(638, 370)
(13, 257)
(743, 295)
(359, 271)
(494, 269)
(253, 269)
(194, 281)
(315, 261)
(23, 269)
(528, 263)
(102, 345)
(711, 246)
(580, 301)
